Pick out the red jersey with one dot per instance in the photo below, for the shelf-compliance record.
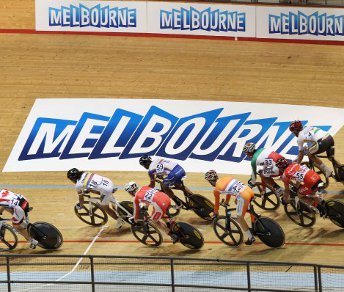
(296, 173)
(149, 196)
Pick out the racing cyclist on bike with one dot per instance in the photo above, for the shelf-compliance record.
(171, 173)
(305, 181)
(86, 182)
(160, 203)
(229, 186)
(263, 163)
(18, 206)
(312, 141)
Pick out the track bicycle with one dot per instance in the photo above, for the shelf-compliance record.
(147, 233)
(266, 198)
(304, 215)
(228, 230)
(201, 205)
(47, 235)
(338, 168)
(92, 213)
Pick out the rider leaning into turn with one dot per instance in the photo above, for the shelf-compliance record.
(171, 172)
(86, 182)
(230, 186)
(312, 141)
(159, 201)
(263, 162)
(306, 182)
(18, 206)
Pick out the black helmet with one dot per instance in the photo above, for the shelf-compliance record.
(145, 161)
(74, 174)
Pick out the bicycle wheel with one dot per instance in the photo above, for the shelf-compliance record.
(91, 213)
(269, 201)
(335, 212)
(8, 238)
(269, 232)
(318, 171)
(202, 206)
(47, 235)
(228, 231)
(301, 215)
(128, 210)
(146, 233)
(189, 236)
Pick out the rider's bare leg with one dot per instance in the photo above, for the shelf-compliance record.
(110, 211)
(269, 181)
(22, 231)
(321, 165)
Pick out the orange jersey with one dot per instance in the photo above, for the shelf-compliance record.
(229, 186)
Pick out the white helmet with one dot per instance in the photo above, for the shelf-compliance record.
(131, 187)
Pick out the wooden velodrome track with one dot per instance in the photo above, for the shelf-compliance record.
(62, 66)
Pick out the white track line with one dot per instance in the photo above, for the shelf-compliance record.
(77, 263)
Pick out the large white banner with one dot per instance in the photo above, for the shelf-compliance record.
(111, 134)
(304, 23)
(201, 19)
(90, 16)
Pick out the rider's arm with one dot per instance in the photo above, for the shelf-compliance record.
(217, 202)
(152, 179)
(286, 194)
(300, 156)
(228, 197)
(136, 214)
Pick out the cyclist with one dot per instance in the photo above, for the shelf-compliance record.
(86, 182)
(311, 141)
(171, 172)
(18, 206)
(306, 182)
(230, 186)
(263, 162)
(160, 202)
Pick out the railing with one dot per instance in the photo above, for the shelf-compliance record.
(119, 273)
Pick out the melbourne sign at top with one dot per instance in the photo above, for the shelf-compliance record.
(111, 134)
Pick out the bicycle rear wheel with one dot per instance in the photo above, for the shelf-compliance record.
(300, 214)
(335, 212)
(146, 233)
(268, 201)
(202, 206)
(190, 236)
(91, 213)
(269, 232)
(8, 238)
(47, 235)
(228, 231)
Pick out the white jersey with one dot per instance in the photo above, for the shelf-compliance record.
(93, 182)
(9, 199)
(308, 136)
(160, 166)
(266, 165)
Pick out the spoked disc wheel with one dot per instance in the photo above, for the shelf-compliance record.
(146, 233)
(228, 231)
(268, 201)
(269, 232)
(8, 238)
(335, 212)
(301, 214)
(91, 213)
(189, 236)
(318, 171)
(202, 206)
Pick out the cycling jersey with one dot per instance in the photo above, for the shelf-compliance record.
(171, 171)
(17, 202)
(230, 186)
(308, 136)
(301, 175)
(266, 163)
(150, 196)
(90, 181)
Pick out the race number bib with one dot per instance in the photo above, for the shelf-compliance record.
(300, 174)
(268, 166)
(159, 168)
(149, 195)
(237, 187)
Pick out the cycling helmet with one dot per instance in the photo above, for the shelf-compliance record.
(131, 187)
(249, 147)
(282, 163)
(295, 126)
(211, 176)
(74, 174)
(145, 161)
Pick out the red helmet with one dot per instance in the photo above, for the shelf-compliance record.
(282, 163)
(295, 126)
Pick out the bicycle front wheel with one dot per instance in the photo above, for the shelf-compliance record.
(8, 238)
(269, 232)
(91, 213)
(269, 201)
(228, 231)
(300, 214)
(146, 233)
